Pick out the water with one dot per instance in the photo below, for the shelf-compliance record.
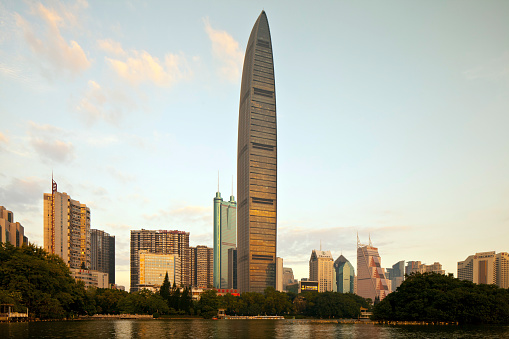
(198, 328)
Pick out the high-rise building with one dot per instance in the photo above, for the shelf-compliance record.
(417, 267)
(321, 269)
(67, 228)
(10, 231)
(371, 280)
(481, 268)
(502, 269)
(396, 274)
(160, 242)
(202, 263)
(257, 164)
(153, 269)
(279, 274)
(345, 275)
(232, 268)
(102, 253)
(225, 237)
(288, 278)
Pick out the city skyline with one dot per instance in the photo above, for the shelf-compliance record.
(391, 121)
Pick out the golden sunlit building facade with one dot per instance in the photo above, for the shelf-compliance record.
(67, 228)
(321, 269)
(153, 269)
(257, 165)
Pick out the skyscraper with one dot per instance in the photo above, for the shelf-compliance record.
(396, 274)
(225, 237)
(371, 280)
(11, 231)
(160, 242)
(257, 164)
(202, 266)
(102, 253)
(345, 275)
(67, 228)
(321, 270)
(486, 268)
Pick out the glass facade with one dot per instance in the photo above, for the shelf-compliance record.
(257, 165)
(345, 275)
(225, 237)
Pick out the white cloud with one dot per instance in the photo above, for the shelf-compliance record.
(112, 47)
(46, 140)
(227, 51)
(109, 105)
(139, 67)
(48, 43)
(3, 140)
(24, 194)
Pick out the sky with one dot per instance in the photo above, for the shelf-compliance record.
(392, 120)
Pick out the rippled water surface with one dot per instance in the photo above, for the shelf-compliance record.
(238, 329)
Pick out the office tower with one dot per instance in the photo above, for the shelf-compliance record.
(225, 237)
(288, 278)
(257, 165)
(502, 269)
(160, 242)
(417, 267)
(396, 274)
(67, 228)
(321, 269)
(345, 275)
(102, 253)
(153, 269)
(279, 274)
(202, 263)
(232, 268)
(371, 280)
(480, 268)
(10, 231)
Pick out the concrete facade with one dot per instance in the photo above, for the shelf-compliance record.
(202, 264)
(10, 231)
(321, 269)
(160, 242)
(257, 165)
(371, 280)
(102, 253)
(67, 228)
(486, 268)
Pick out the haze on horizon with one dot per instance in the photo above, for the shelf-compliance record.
(392, 120)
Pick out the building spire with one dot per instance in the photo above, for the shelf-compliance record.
(218, 180)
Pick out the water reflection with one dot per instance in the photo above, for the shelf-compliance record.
(199, 328)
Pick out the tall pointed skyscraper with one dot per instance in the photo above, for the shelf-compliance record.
(257, 165)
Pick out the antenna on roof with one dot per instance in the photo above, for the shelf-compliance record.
(218, 180)
(370, 244)
(320, 245)
(232, 184)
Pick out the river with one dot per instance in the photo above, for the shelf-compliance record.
(198, 328)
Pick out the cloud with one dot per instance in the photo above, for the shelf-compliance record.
(102, 141)
(190, 217)
(48, 43)
(492, 69)
(23, 195)
(138, 67)
(226, 50)
(4, 141)
(112, 47)
(124, 178)
(100, 103)
(46, 140)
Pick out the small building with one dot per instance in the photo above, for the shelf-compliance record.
(91, 278)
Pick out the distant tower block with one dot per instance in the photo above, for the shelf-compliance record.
(257, 165)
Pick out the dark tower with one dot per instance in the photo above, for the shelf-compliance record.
(257, 165)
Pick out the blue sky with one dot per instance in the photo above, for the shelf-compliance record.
(392, 120)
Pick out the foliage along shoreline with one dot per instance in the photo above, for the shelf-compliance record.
(436, 298)
(34, 279)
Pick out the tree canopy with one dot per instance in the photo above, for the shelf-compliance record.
(433, 297)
